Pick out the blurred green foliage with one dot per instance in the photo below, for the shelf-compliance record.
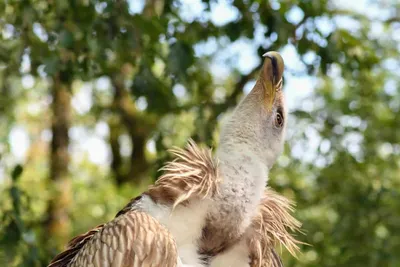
(148, 82)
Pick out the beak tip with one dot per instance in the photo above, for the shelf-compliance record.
(275, 63)
(271, 77)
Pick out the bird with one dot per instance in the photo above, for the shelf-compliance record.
(205, 209)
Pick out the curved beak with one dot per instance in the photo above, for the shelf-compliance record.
(271, 77)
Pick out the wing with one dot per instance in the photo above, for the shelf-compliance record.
(133, 239)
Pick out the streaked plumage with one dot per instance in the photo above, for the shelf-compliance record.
(134, 239)
(207, 208)
(270, 226)
(192, 175)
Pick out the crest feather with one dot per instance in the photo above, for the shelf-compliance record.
(192, 174)
(272, 225)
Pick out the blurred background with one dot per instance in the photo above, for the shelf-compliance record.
(93, 93)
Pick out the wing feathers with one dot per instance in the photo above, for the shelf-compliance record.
(73, 247)
(132, 239)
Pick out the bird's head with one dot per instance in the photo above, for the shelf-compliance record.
(259, 121)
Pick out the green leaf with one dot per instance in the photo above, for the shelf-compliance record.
(180, 58)
(66, 39)
(51, 65)
(16, 173)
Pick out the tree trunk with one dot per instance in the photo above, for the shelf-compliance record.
(117, 163)
(58, 223)
(138, 129)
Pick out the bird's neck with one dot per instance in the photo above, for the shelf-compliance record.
(244, 178)
(240, 167)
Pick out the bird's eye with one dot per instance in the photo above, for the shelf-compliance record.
(279, 119)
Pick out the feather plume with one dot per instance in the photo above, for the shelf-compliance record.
(271, 226)
(192, 174)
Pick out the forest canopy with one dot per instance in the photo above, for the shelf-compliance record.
(93, 93)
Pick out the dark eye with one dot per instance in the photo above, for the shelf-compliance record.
(279, 119)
